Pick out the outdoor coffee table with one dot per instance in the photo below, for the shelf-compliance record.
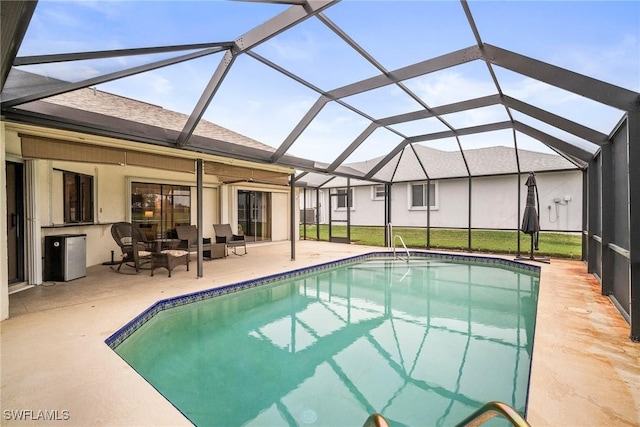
(169, 259)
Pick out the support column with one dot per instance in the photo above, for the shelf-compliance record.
(607, 218)
(469, 231)
(33, 229)
(428, 245)
(387, 213)
(593, 214)
(318, 214)
(292, 219)
(199, 208)
(634, 226)
(519, 218)
(585, 216)
(304, 213)
(349, 204)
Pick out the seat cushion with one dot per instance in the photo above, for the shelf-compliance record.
(140, 254)
(175, 252)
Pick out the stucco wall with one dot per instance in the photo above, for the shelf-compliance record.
(494, 203)
(112, 201)
(556, 185)
(279, 207)
(279, 216)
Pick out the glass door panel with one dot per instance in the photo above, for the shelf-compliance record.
(254, 215)
(158, 208)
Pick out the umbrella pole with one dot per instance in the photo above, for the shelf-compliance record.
(531, 257)
(530, 223)
(531, 253)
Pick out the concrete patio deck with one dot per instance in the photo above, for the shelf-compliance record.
(585, 369)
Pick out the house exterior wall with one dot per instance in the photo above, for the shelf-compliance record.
(280, 216)
(553, 186)
(279, 208)
(452, 206)
(494, 203)
(112, 198)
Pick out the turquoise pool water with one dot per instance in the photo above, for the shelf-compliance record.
(423, 343)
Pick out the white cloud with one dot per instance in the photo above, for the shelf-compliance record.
(615, 63)
(450, 86)
(302, 49)
(64, 71)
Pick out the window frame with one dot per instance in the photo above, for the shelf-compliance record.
(411, 206)
(344, 190)
(80, 209)
(375, 193)
(159, 216)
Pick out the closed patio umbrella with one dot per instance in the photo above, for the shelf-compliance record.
(530, 219)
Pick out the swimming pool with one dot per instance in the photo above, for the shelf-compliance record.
(424, 343)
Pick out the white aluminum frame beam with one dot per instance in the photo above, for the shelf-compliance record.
(597, 90)
(64, 87)
(269, 29)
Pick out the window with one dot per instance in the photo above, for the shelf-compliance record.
(419, 195)
(160, 207)
(340, 197)
(78, 198)
(377, 192)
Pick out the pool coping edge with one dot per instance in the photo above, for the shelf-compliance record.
(115, 339)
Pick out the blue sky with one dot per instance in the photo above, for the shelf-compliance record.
(599, 39)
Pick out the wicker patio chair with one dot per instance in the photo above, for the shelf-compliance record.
(136, 250)
(225, 235)
(188, 235)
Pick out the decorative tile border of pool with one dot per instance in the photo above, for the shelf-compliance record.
(123, 333)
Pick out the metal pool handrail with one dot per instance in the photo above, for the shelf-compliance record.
(489, 411)
(481, 416)
(375, 420)
(397, 236)
(392, 242)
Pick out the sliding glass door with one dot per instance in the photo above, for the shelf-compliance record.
(158, 208)
(254, 215)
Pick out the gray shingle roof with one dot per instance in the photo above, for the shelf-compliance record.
(437, 163)
(100, 102)
(450, 164)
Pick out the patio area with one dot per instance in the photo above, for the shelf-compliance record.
(585, 368)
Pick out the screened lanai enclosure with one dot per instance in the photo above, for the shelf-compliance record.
(418, 95)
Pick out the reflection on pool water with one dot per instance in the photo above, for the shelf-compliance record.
(423, 343)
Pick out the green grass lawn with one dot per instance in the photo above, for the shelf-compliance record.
(560, 245)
